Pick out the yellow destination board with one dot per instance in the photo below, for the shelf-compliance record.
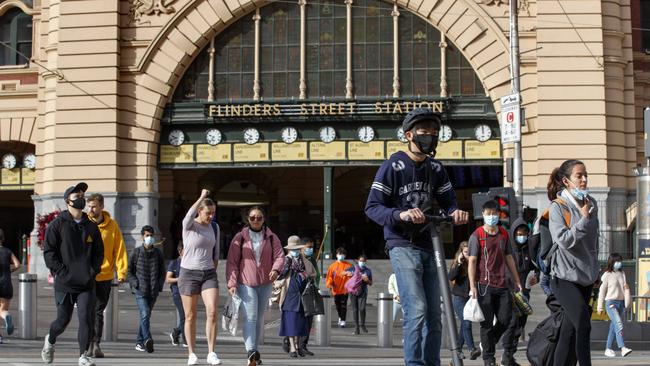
(250, 153)
(28, 176)
(373, 150)
(221, 153)
(394, 146)
(450, 150)
(335, 150)
(289, 152)
(176, 154)
(482, 150)
(10, 176)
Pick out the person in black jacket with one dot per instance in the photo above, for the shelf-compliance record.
(146, 276)
(73, 252)
(460, 295)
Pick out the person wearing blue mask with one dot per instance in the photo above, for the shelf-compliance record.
(613, 294)
(358, 301)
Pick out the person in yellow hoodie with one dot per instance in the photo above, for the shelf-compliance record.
(115, 259)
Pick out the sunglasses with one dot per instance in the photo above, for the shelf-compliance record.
(256, 218)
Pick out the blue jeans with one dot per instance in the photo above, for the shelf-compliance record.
(465, 337)
(615, 310)
(145, 305)
(254, 302)
(417, 281)
(180, 315)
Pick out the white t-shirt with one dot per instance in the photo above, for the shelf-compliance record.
(256, 240)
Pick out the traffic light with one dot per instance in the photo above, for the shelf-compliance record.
(505, 198)
(478, 199)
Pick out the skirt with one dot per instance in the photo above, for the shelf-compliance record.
(294, 324)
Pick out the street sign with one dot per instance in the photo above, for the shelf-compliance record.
(510, 119)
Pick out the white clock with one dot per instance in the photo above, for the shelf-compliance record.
(289, 135)
(29, 161)
(9, 161)
(327, 134)
(176, 137)
(445, 133)
(366, 133)
(213, 136)
(251, 135)
(482, 132)
(400, 134)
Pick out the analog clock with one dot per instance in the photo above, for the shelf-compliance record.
(482, 132)
(400, 134)
(213, 136)
(9, 161)
(29, 161)
(289, 135)
(176, 137)
(366, 133)
(251, 136)
(327, 134)
(445, 133)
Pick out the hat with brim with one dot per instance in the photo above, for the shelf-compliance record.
(293, 243)
(79, 187)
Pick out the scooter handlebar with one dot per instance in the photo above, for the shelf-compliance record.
(436, 219)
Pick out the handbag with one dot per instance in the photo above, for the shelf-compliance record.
(627, 293)
(312, 301)
(472, 311)
(354, 283)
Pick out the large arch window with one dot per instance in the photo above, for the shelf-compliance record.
(326, 54)
(419, 54)
(279, 50)
(16, 32)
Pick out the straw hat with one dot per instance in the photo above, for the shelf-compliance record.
(293, 243)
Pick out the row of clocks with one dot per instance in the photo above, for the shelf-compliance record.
(9, 161)
(327, 134)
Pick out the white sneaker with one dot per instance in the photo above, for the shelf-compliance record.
(610, 353)
(625, 351)
(86, 361)
(213, 359)
(47, 354)
(192, 359)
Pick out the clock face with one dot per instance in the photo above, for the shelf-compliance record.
(9, 161)
(289, 135)
(366, 133)
(327, 134)
(482, 132)
(29, 161)
(445, 133)
(176, 137)
(400, 135)
(251, 136)
(213, 136)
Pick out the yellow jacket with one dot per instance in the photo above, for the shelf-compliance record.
(114, 250)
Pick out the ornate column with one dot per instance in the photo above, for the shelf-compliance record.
(211, 71)
(348, 78)
(443, 65)
(396, 86)
(303, 41)
(256, 79)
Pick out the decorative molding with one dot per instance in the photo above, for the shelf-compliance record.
(10, 4)
(523, 5)
(140, 8)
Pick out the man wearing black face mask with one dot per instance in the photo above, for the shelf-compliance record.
(401, 193)
(74, 252)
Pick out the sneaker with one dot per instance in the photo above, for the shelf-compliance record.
(97, 351)
(258, 357)
(625, 351)
(212, 359)
(192, 359)
(293, 354)
(174, 339)
(610, 353)
(474, 354)
(490, 362)
(342, 324)
(364, 329)
(148, 345)
(10, 324)
(84, 360)
(47, 354)
(356, 331)
(252, 361)
(461, 355)
(139, 347)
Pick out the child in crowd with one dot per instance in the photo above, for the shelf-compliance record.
(337, 276)
(173, 269)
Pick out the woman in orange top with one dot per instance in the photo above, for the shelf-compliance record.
(337, 276)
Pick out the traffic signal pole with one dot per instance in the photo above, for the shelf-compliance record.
(517, 169)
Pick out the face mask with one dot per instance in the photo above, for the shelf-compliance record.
(309, 252)
(618, 266)
(426, 143)
(521, 239)
(294, 253)
(362, 264)
(340, 257)
(149, 240)
(79, 203)
(490, 220)
(580, 194)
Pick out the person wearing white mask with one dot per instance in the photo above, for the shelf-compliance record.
(146, 276)
(358, 301)
(337, 276)
(612, 294)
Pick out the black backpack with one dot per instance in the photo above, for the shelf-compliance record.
(543, 340)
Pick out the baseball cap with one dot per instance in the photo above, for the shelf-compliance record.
(80, 187)
(419, 115)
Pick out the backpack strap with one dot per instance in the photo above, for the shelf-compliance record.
(565, 211)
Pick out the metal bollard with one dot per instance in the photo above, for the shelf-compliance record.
(384, 320)
(27, 307)
(111, 315)
(323, 323)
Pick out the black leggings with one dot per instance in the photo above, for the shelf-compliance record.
(575, 331)
(341, 302)
(64, 308)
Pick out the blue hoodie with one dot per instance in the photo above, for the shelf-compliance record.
(402, 184)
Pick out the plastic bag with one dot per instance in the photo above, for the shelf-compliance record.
(230, 315)
(472, 311)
